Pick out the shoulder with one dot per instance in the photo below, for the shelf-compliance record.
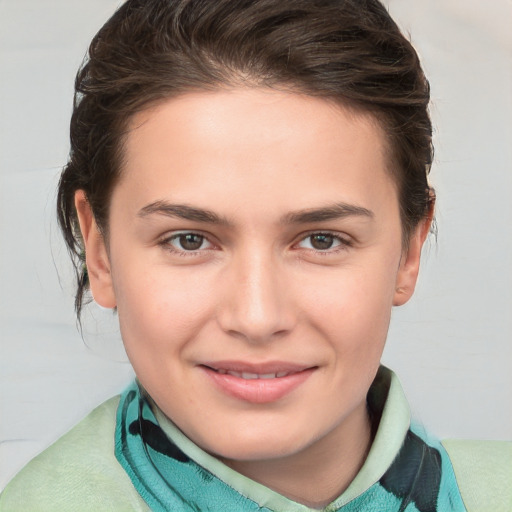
(483, 470)
(78, 472)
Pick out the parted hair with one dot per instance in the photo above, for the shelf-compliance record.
(347, 51)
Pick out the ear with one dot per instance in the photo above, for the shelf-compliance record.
(410, 261)
(96, 254)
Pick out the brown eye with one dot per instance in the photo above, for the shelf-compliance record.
(190, 241)
(187, 242)
(322, 242)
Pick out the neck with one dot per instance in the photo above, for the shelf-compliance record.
(318, 474)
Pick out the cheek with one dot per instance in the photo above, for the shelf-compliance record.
(160, 308)
(352, 306)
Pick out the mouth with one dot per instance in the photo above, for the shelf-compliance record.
(252, 376)
(257, 383)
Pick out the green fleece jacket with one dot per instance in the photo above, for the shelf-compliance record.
(112, 462)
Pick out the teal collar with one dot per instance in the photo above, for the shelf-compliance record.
(171, 473)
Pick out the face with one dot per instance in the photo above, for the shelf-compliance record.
(254, 256)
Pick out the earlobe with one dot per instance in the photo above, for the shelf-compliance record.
(96, 254)
(410, 262)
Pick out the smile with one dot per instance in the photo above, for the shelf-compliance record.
(257, 384)
(252, 376)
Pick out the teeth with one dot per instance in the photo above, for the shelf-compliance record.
(249, 376)
(252, 376)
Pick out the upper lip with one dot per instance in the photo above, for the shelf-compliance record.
(270, 367)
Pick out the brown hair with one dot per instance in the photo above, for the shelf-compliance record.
(349, 51)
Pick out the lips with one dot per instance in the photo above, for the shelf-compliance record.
(252, 376)
(259, 384)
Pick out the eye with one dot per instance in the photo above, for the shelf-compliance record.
(323, 242)
(188, 242)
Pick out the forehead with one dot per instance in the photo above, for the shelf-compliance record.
(205, 144)
(256, 111)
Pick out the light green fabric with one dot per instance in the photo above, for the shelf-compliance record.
(484, 473)
(78, 473)
(393, 425)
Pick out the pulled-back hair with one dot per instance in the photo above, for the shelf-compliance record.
(349, 51)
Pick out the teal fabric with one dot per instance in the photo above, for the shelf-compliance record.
(164, 476)
(420, 478)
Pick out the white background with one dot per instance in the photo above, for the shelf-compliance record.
(451, 346)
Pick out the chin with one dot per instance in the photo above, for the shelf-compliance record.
(258, 447)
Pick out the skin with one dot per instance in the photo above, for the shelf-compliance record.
(259, 288)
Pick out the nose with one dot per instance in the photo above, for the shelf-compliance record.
(257, 305)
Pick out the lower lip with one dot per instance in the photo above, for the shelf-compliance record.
(258, 391)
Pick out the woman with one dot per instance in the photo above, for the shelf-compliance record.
(247, 185)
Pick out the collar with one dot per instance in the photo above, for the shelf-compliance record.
(386, 402)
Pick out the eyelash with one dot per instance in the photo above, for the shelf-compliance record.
(343, 243)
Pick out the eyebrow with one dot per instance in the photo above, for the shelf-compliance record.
(333, 212)
(182, 211)
(311, 215)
